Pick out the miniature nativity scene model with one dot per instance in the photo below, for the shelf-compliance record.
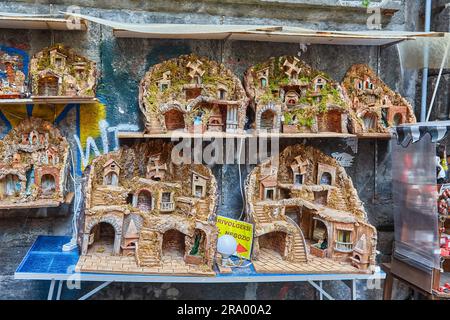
(307, 216)
(289, 96)
(144, 213)
(58, 71)
(13, 73)
(33, 166)
(377, 107)
(192, 94)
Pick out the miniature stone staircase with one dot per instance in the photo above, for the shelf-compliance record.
(260, 215)
(146, 255)
(299, 254)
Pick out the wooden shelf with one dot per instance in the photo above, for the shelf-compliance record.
(40, 23)
(381, 136)
(226, 135)
(49, 100)
(38, 204)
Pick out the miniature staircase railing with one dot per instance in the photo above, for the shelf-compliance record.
(300, 251)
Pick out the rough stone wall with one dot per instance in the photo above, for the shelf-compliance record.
(123, 62)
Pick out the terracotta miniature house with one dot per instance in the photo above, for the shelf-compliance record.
(307, 216)
(377, 106)
(34, 166)
(145, 214)
(288, 95)
(192, 93)
(12, 73)
(60, 71)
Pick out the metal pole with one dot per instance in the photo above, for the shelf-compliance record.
(423, 107)
(51, 289)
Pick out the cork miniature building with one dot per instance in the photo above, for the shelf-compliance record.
(288, 95)
(33, 166)
(377, 107)
(307, 216)
(144, 213)
(60, 71)
(13, 71)
(192, 93)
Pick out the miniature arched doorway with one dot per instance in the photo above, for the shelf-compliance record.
(398, 119)
(101, 239)
(174, 119)
(111, 179)
(11, 185)
(268, 120)
(294, 213)
(173, 244)
(198, 249)
(331, 121)
(273, 243)
(48, 184)
(370, 121)
(326, 179)
(48, 86)
(144, 200)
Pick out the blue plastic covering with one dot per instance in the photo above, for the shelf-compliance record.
(46, 256)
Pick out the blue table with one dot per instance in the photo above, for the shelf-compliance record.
(45, 260)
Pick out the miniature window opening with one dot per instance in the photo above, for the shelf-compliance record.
(198, 191)
(319, 85)
(12, 187)
(326, 179)
(222, 94)
(370, 121)
(294, 75)
(30, 180)
(173, 243)
(269, 194)
(343, 242)
(111, 179)
(359, 84)
(48, 184)
(398, 119)
(144, 201)
(164, 87)
(166, 202)
(298, 179)
(130, 198)
(263, 82)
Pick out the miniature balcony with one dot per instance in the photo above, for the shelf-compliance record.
(167, 206)
(343, 246)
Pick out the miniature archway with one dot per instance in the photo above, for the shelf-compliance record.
(268, 120)
(111, 218)
(144, 200)
(174, 119)
(370, 121)
(48, 86)
(102, 238)
(173, 243)
(12, 184)
(398, 119)
(273, 243)
(48, 184)
(326, 179)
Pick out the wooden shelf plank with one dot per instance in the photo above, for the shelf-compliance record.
(226, 135)
(384, 136)
(49, 100)
(40, 23)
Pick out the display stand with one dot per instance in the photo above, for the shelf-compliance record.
(46, 261)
